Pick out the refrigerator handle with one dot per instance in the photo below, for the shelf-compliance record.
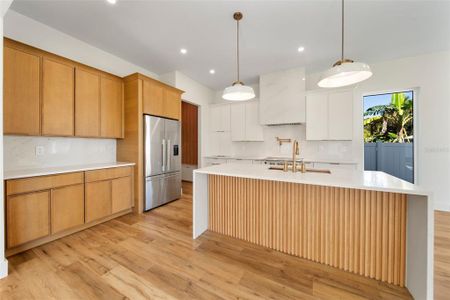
(164, 158)
(168, 157)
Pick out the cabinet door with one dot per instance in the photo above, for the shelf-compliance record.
(220, 116)
(317, 116)
(21, 92)
(98, 200)
(111, 108)
(340, 115)
(67, 209)
(253, 129)
(27, 217)
(87, 104)
(237, 120)
(121, 194)
(172, 104)
(57, 99)
(153, 98)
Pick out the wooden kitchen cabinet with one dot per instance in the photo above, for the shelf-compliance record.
(27, 217)
(121, 194)
(57, 98)
(172, 104)
(67, 207)
(98, 200)
(21, 92)
(87, 103)
(111, 108)
(153, 98)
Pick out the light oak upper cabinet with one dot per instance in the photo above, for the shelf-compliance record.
(245, 122)
(329, 115)
(282, 97)
(111, 108)
(21, 93)
(87, 103)
(172, 104)
(57, 98)
(153, 98)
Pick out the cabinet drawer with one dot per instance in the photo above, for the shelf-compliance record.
(105, 174)
(17, 186)
(27, 217)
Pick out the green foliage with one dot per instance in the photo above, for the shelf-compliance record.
(392, 123)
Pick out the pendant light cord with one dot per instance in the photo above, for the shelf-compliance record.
(237, 49)
(342, 24)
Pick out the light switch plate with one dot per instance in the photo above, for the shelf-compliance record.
(40, 150)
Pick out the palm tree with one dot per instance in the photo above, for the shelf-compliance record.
(390, 123)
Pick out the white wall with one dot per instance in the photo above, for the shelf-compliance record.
(430, 75)
(197, 94)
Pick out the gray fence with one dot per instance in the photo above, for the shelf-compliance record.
(393, 158)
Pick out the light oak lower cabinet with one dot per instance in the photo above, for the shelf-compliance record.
(121, 194)
(44, 208)
(98, 200)
(27, 217)
(67, 207)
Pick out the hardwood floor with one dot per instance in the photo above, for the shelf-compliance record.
(153, 256)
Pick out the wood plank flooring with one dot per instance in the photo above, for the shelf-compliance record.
(153, 256)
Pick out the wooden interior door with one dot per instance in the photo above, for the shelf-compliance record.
(87, 104)
(67, 207)
(189, 134)
(27, 217)
(111, 108)
(21, 102)
(57, 99)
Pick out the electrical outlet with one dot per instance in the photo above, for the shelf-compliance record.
(40, 150)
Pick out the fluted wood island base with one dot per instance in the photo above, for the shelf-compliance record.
(376, 227)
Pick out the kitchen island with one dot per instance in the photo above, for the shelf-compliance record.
(368, 223)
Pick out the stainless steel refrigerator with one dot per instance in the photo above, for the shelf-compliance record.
(162, 161)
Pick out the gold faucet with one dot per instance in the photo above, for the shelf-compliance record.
(295, 152)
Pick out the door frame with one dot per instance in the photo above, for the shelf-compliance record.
(416, 93)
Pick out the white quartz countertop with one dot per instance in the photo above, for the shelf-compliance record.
(366, 180)
(16, 174)
(275, 158)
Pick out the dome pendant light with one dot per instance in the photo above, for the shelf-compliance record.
(345, 71)
(238, 91)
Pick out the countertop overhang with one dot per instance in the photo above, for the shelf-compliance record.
(365, 180)
(17, 174)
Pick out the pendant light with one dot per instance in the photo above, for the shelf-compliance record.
(345, 71)
(238, 91)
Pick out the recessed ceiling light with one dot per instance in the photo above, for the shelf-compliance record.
(303, 78)
(212, 71)
(301, 49)
(183, 51)
(112, 1)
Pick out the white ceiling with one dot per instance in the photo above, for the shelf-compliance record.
(151, 33)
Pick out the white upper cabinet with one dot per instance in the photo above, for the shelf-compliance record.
(282, 97)
(245, 122)
(329, 115)
(219, 117)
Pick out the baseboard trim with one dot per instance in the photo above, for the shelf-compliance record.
(3, 268)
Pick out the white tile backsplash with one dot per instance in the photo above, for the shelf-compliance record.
(20, 151)
(338, 150)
